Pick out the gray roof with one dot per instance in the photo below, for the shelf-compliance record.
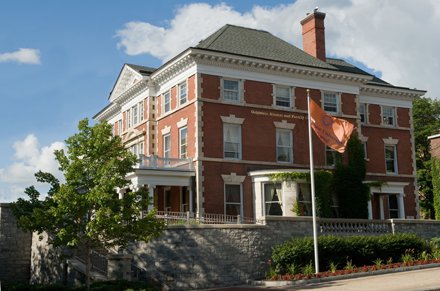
(259, 44)
(344, 66)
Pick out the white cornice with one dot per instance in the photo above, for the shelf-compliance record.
(108, 112)
(274, 67)
(173, 68)
(401, 93)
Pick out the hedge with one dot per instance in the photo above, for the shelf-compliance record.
(361, 250)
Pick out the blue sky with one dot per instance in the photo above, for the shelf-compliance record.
(77, 48)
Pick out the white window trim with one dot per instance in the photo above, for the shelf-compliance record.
(241, 196)
(274, 94)
(180, 142)
(240, 91)
(168, 92)
(240, 141)
(338, 102)
(141, 112)
(365, 113)
(231, 119)
(396, 170)
(168, 135)
(182, 122)
(179, 93)
(281, 197)
(133, 110)
(291, 145)
(394, 116)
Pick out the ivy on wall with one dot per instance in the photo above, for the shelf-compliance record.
(352, 193)
(345, 184)
(435, 170)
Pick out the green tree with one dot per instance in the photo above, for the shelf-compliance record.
(85, 211)
(348, 179)
(426, 117)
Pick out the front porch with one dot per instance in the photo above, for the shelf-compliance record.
(170, 183)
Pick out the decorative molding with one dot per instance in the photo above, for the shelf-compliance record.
(363, 138)
(403, 93)
(284, 124)
(219, 59)
(390, 141)
(166, 130)
(183, 122)
(232, 119)
(233, 178)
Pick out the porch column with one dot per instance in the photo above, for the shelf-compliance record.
(121, 193)
(401, 206)
(382, 214)
(370, 209)
(191, 202)
(151, 196)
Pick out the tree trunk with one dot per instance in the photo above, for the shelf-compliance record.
(88, 265)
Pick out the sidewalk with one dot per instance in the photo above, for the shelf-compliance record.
(416, 280)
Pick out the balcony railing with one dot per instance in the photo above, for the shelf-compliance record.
(155, 162)
(353, 226)
(176, 218)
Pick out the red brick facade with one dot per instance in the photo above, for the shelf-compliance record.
(232, 107)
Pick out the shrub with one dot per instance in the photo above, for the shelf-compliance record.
(336, 250)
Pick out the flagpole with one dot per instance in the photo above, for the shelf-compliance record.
(312, 183)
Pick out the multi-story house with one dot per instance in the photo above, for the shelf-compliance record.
(213, 123)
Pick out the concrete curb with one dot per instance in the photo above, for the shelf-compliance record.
(267, 283)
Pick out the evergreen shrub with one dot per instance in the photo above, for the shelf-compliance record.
(361, 250)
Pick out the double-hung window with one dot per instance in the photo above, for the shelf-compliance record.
(363, 112)
(304, 200)
(283, 96)
(273, 199)
(393, 206)
(284, 145)
(388, 116)
(166, 102)
(134, 110)
(183, 141)
(141, 110)
(231, 90)
(331, 104)
(391, 159)
(128, 119)
(183, 93)
(119, 126)
(167, 146)
(232, 199)
(330, 156)
(232, 141)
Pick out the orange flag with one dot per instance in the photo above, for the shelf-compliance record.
(332, 131)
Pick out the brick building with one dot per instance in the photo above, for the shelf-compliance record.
(215, 121)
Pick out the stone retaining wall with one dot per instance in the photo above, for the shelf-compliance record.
(15, 249)
(185, 257)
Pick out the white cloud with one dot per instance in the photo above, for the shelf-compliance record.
(396, 38)
(29, 158)
(23, 55)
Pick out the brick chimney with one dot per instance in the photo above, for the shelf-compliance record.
(314, 35)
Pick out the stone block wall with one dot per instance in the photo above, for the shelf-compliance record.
(424, 228)
(205, 256)
(15, 249)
